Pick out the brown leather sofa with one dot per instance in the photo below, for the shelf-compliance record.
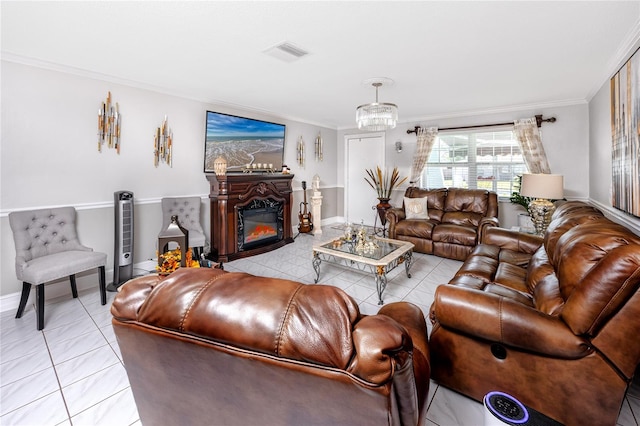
(553, 322)
(204, 346)
(457, 219)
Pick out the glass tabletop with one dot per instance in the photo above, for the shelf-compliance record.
(374, 249)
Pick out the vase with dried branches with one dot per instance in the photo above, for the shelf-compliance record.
(383, 183)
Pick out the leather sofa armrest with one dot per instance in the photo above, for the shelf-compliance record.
(379, 343)
(499, 319)
(131, 296)
(398, 329)
(394, 345)
(512, 240)
(486, 222)
(393, 216)
(412, 319)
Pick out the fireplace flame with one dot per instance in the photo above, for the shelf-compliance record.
(260, 232)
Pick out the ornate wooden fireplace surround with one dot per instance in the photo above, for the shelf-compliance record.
(231, 193)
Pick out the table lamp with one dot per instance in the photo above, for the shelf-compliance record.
(542, 188)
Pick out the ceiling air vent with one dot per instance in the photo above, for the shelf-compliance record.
(286, 51)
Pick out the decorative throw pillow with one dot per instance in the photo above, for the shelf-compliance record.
(416, 208)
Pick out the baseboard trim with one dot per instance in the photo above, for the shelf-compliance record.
(618, 216)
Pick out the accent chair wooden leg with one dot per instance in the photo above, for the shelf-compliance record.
(103, 286)
(74, 288)
(26, 289)
(40, 305)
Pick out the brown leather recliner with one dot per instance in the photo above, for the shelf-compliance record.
(204, 346)
(457, 219)
(553, 322)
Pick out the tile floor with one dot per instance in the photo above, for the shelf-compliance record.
(71, 373)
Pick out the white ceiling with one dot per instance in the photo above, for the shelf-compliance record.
(446, 57)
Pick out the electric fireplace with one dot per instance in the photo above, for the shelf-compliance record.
(259, 223)
(250, 214)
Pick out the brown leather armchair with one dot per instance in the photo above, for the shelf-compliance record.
(204, 346)
(457, 219)
(553, 322)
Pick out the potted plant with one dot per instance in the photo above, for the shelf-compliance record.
(383, 183)
(524, 219)
(516, 198)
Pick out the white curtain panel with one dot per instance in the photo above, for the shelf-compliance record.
(527, 133)
(426, 139)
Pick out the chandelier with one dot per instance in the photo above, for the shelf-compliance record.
(378, 115)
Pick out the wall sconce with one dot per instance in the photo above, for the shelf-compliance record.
(300, 152)
(399, 146)
(163, 145)
(318, 146)
(109, 120)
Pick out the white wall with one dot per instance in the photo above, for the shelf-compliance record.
(600, 156)
(49, 156)
(566, 143)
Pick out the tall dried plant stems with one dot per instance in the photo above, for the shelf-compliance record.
(383, 183)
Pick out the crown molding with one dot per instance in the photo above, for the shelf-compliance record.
(500, 110)
(628, 46)
(487, 111)
(52, 66)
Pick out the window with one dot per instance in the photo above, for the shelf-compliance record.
(476, 160)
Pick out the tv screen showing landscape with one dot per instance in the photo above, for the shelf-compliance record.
(243, 142)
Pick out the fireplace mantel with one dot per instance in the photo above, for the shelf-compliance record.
(230, 192)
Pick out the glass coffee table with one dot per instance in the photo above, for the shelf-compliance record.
(378, 258)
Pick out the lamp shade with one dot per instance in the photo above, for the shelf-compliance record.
(547, 186)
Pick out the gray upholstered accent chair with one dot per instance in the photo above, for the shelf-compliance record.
(47, 249)
(188, 211)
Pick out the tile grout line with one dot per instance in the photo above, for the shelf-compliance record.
(55, 371)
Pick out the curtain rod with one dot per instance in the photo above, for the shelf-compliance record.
(539, 121)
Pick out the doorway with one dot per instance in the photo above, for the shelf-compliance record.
(363, 152)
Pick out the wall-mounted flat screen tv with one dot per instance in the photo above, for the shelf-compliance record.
(243, 142)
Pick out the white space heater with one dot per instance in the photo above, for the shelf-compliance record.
(123, 244)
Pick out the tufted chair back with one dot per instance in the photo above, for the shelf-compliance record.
(188, 211)
(43, 232)
(47, 249)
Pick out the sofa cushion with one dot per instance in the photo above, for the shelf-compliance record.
(435, 200)
(416, 208)
(455, 234)
(465, 206)
(605, 278)
(547, 296)
(515, 258)
(418, 228)
(509, 293)
(511, 276)
(481, 264)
